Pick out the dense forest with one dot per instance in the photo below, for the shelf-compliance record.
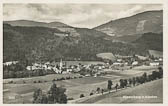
(42, 44)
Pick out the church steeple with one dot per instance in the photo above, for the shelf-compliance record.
(61, 64)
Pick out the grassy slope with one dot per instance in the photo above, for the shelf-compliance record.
(154, 88)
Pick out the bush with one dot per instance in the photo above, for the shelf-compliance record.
(34, 82)
(39, 81)
(98, 90)
(121, 83)
(67, 78)
(62, 78)
(82, 95)
(70, 98)
(54, 80)
(10, 82)
(91, 94)
(160, 72)
(125, 82)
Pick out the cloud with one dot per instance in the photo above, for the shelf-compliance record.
(129, 12)
(79, 15)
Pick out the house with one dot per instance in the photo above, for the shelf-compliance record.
(119, 60)
(69, 70)
(135, 63)
(154, 63)
(126, 63)
(117, 63)
(57, 70)
(87, 75)
(64, 72)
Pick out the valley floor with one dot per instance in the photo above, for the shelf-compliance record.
(18, 92)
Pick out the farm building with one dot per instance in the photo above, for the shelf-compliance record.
(117, 63)
(61, 34)
(135, 63)
(154, 64)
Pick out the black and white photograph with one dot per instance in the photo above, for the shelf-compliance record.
(76, 53)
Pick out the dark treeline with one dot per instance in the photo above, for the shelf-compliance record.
(19, 70)
(40, 44)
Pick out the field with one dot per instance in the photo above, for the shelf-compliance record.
(156, 53)
(106, 56)
(75, 87)
(154, 88)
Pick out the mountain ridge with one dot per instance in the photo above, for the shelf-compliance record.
(148, 21)
(31, 23)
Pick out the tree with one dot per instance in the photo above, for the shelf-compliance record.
(44, 99)
(91, 93)
(110, 83)
(134, 81)
(121, 83)
(125, 82)
(130, 81)
(54, 95)
(98, 90)
(37, 95)
(149, 78)
(116, 87)
(154, 75)
(82, 95)
(137, 79)
(160, 72)
(144, 76)
(102, 91)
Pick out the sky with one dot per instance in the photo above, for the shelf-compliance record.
(77, 15)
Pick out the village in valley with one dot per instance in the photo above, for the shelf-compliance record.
(116, 65)
(119, 63)
(113, 61)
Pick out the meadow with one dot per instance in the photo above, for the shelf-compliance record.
(74, 87)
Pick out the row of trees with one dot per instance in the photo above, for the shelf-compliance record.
(130, 82)
(142, 79)
(54, 95)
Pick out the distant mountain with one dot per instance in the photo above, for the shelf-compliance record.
(150, 21)
(28, 23)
